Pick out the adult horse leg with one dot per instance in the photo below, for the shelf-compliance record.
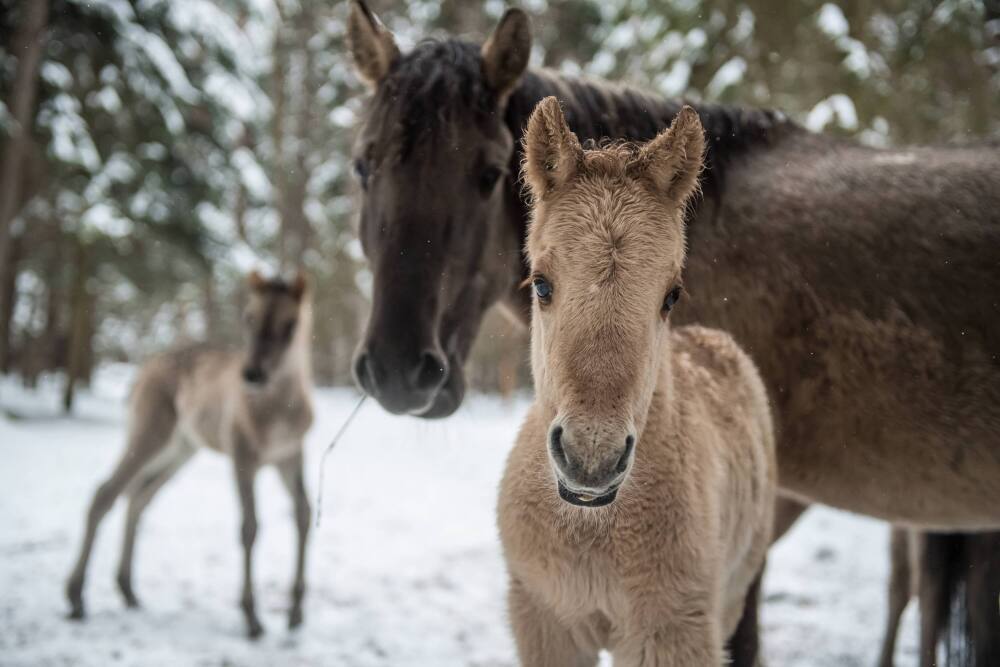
(900, 591)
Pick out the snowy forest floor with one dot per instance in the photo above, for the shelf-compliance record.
(405, 568)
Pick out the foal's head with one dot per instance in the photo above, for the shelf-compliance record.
(606, 246)
(274, 321)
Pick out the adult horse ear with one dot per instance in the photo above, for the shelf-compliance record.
(673, 160)
(552, 153)
(372, 46)
(506, 52)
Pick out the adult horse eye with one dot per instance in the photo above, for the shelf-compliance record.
(286, 333)
(543, 289)
(673, 296)
(362, 172)
(488, 179)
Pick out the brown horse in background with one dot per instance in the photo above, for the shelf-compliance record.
(254, 405)
(863, 282)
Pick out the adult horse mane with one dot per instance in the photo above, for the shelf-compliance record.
(442, 77)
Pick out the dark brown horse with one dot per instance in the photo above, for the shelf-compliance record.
(863, 282)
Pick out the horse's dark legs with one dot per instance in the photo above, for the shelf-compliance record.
(744, 644)
(900, 591)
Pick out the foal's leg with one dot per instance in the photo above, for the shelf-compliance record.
(291, 475)
(542, 640)
(692, 641)
(245, 461)
(153, 426)
(140, 495)
(900, 591)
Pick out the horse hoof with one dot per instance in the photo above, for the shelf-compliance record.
(131, 602)
(76, 613)
(294, 619)
(255, 630)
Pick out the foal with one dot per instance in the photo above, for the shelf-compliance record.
(254, 405)
(636, 507)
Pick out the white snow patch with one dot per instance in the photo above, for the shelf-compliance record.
(831, 20)
(837, 107)
(405, 569)
(729, 74)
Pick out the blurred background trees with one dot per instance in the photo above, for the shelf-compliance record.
(153, 151)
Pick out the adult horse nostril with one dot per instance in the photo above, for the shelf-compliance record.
(626, 457)
(556, 446)
(431, 371)
(363, 373)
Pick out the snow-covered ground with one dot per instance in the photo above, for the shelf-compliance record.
(405, 568)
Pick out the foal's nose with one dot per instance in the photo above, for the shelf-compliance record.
(589, 458)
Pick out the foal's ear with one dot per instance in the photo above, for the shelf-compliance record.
(506, 52)
(674, 159)
(299, 285)
(256, 281)
(372, 46)
(552, 153)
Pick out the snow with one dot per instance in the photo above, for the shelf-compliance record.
(729, 74)
(837, 107)
(405, 568)
(832, 21)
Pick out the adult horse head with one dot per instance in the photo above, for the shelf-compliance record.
(435, 161)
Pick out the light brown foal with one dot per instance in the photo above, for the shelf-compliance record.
(637, 504)
(254, 405)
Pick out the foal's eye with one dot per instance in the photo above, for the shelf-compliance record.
(673, 296)
(543, 289)
(362, 172)
(488, 179)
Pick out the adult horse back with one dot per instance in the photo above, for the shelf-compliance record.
(863, 282)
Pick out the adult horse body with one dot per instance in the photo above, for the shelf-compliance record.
(864, 283)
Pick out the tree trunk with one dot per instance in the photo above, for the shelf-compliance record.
(27, 45)
(8, 300)
(79, 333)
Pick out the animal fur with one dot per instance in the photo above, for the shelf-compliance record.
(660, 575)
(253, 405)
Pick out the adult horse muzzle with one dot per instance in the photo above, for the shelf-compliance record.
(426, 385)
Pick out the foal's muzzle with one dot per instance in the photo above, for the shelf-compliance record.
(590, 462)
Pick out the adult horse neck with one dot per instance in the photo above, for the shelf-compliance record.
(863, 282)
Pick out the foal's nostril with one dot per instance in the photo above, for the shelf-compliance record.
(253, 375)
(626, 457)
(431, 371)
(556, 446)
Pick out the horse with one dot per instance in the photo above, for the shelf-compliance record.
(940, 569)
(636, 508)
(862, 281)
(254, 405)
